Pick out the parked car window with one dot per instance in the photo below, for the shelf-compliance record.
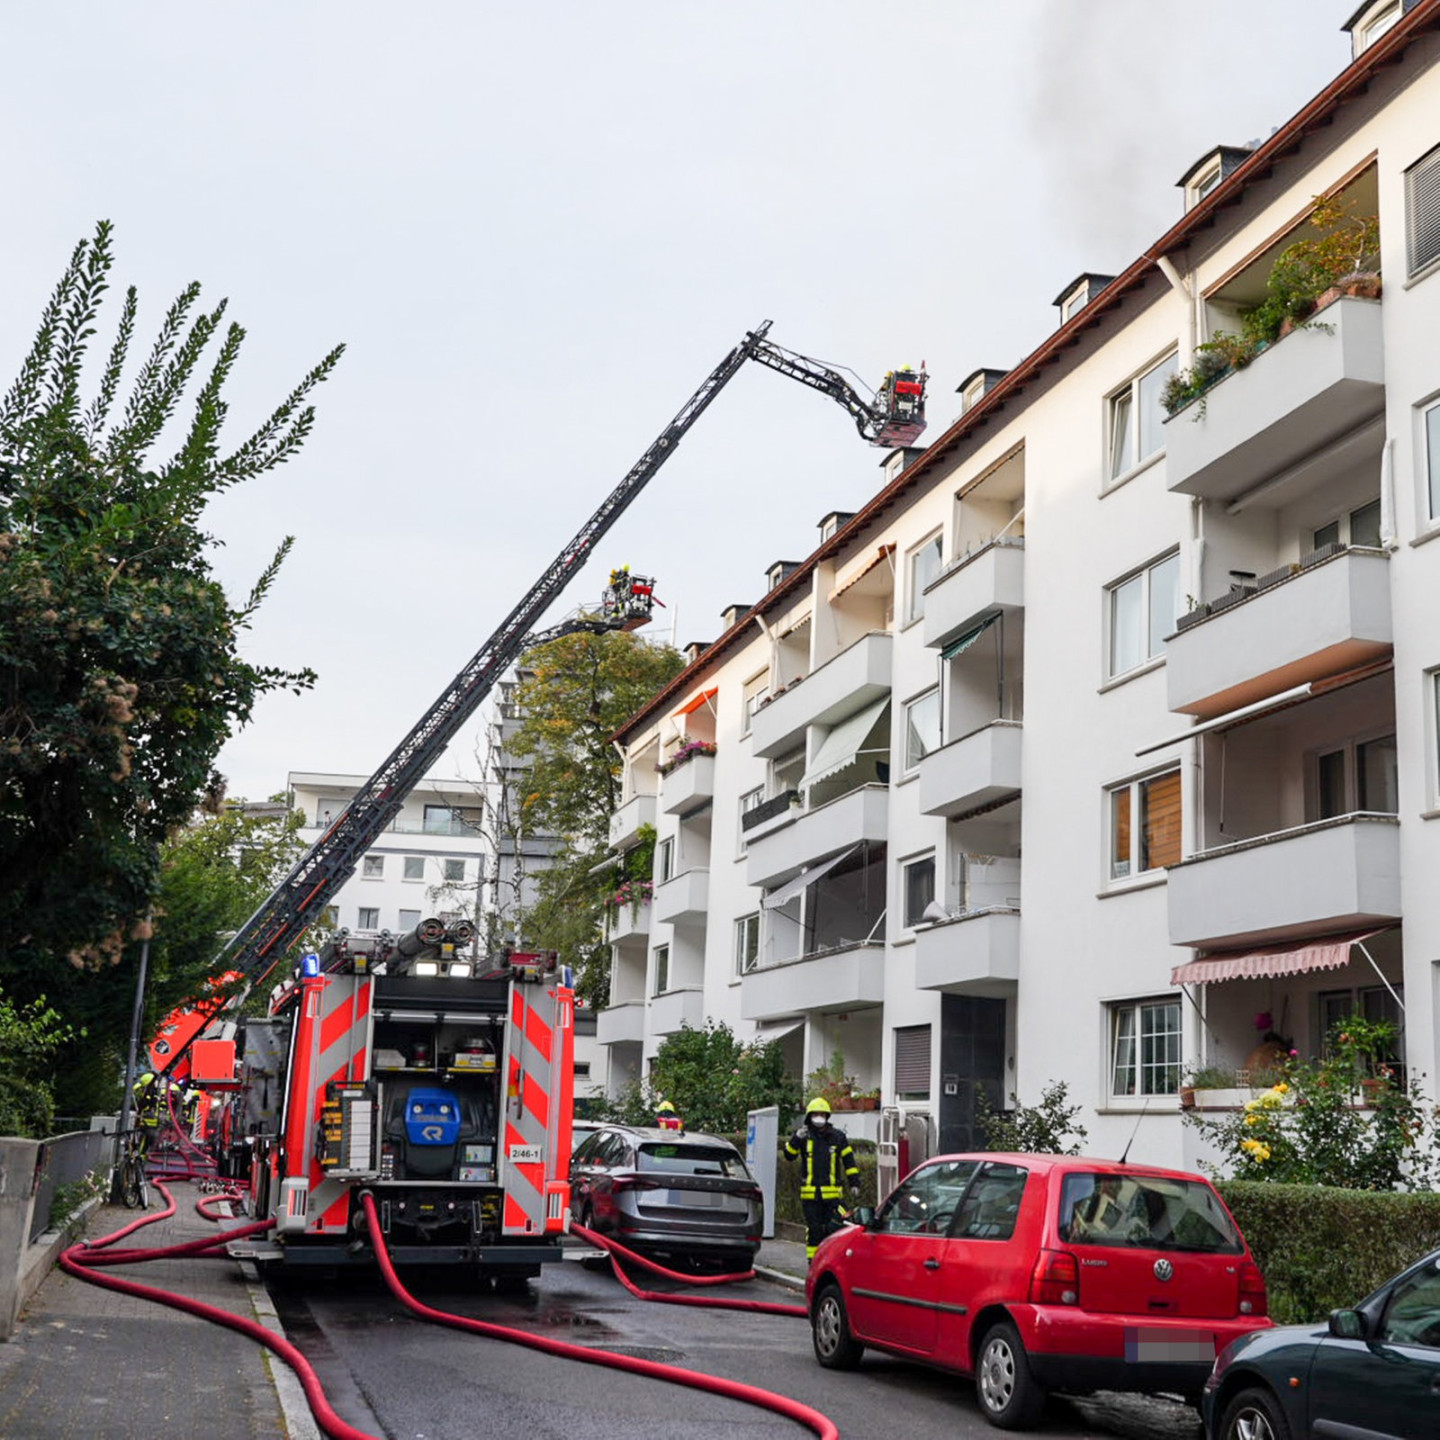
(992, 1204)
(1413, 1315)
(584, 1153)
(1150, 1212)
(612, 1151)
(693, 1160)
(927, 1201)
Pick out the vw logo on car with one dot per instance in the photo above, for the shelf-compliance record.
(1163, 1269)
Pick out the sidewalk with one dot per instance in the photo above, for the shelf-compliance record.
(783, 1261)
(89, 1364)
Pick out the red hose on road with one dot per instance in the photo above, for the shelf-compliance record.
(652, 1369)
(76, 1261)
(762, 1307)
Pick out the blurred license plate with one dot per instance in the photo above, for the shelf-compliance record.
(705, 1199)
(1169, 1346)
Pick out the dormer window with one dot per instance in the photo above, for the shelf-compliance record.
(1077, 295)
(833, 523)
(1370, 23)
(1206, 181)
(1209, 170)
(973, 393)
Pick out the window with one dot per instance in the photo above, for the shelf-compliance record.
(662, 969)
(409, 919)
(973, 394)
(1136, 418)
(1422, 211)
(369, 918)
(922, 728)
(1360, 776)
(1374, 1002)
(924, 567)
(453, 870)
(414, 867)
(925, 1204)
(748, 802)
(1142, 612)
(373, 868)
(918, 885)
(1145, 825)
(1359, 527)
(1204, 183)
(1145, 1048)
(747, 943)
(1380, 20)
(1412, 1313)
(1074, 302)
(757, 691)
(664, 860)
(1432, 458)
(912, 1062)
(992, 1203)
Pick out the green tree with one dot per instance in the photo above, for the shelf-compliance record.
(578, 691)
(120, 669)
(1043, 1129)
(30, 1038)
(713, 1080)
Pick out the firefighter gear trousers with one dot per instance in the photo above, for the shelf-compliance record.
(827, 1166)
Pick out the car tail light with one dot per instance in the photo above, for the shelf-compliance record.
(632, 1182)
(1253, 1298)
(1055, 1279)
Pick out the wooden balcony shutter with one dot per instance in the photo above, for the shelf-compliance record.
(1160, 821)
(912, 1062)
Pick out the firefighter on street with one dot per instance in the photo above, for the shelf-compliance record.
(147, 1092)
(827, 1167)
(666, 1118)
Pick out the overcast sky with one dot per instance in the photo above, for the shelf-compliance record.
(538, 226)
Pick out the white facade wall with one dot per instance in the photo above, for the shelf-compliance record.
(1088, 941)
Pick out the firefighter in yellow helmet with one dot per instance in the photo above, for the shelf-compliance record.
(827, 1166)
(666, 1118)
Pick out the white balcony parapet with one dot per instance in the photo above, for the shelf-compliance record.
(625, 823)
(689, 786)
(675, 1009)
(973, 771)
(975, 953)
(814, 835)
(1318, 620)
(988, 579)
(683, 899)
(851, 978)
(622, 1024)
(1340, 874)
(840, 687)
(1294, 399)
(629, 922)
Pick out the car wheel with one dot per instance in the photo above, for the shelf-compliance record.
(1009, 1396)
(1254, 1415)
(835, 1347)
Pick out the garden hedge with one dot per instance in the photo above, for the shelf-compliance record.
(1321, 1248)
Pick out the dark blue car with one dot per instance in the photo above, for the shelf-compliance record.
(1373, 1371)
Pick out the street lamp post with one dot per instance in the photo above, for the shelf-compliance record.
(128, 1093)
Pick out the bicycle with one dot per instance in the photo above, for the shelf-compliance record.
(133, 1186)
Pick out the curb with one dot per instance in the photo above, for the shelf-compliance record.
(781, 1277)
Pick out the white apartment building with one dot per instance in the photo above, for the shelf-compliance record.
(1095, 735)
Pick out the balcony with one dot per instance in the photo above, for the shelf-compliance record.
(625, 823)
(991, 578)
(629, 923)
(676, 1009)
(815, 834)
(972, 772)
(1306, 391)
(1309, 622)
(977, 953)
(622, 1024)
(838, 689)
(683, 899)
(848, 979)
(770, 815)
(690, 786)
(1341, 874)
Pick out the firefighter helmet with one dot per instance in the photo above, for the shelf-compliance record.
(665, 1108)
(818, 1106)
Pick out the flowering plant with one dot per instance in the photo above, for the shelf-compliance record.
(633, 893)
(687, 752)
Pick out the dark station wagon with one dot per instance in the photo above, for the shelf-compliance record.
(1040, 1272)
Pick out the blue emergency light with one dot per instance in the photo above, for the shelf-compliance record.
(309, 965)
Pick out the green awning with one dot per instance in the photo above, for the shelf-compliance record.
(965, 641)
(842, 746)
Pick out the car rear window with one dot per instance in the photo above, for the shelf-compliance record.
(692, 1160)
(1145, 1212)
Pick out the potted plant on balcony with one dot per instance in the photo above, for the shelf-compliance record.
(830, 1083)
(686, 753)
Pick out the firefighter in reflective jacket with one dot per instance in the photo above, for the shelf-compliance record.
(827, 1166)
(666, 1118)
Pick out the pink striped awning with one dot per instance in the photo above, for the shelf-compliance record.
(1330, 952)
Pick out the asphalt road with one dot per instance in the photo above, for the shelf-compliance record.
(405, 1379)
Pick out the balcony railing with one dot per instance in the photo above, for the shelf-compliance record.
(850, 977)
(976, 953)
(813, 835)
(1258, 424)
(838, 689)
(684, 899)
(1332, 875)
(675, 1009)
(972, 772)
(621, 1024)
(1325, 614)
(626, 822)
(988, 579)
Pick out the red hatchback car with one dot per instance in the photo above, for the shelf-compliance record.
(1040, 1272)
